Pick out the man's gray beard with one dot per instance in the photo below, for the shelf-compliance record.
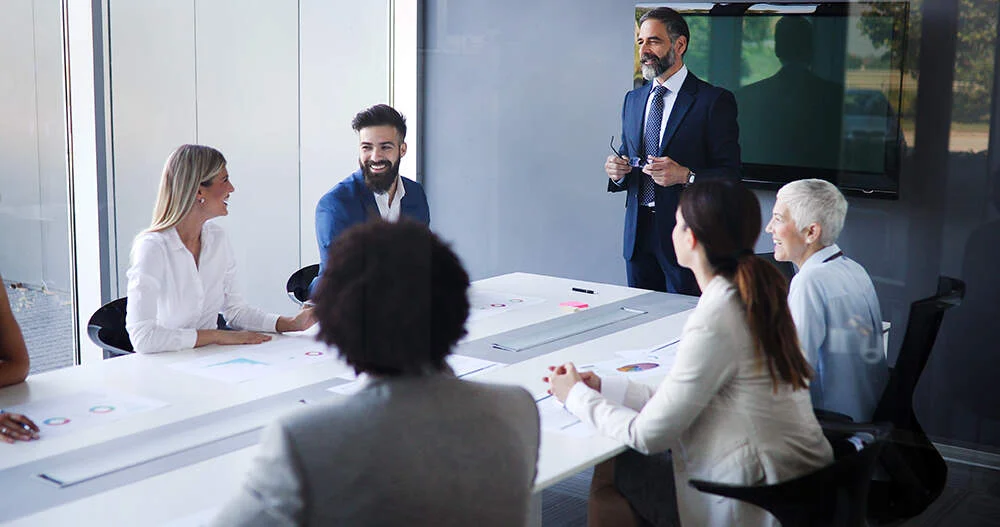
(651, 72)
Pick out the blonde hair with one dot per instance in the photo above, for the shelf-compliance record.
(187, 168)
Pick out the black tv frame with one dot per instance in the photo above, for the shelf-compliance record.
(772, 177)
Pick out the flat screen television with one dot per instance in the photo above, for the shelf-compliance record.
(820, 87)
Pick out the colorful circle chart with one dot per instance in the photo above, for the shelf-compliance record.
(56, 421)
(640, 366)
(102, 409)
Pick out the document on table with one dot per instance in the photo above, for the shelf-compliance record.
(460, 364)
(72, 413)
(555, 418)
(248, 363)
(485, 303)
(654, 361)
(199, 519)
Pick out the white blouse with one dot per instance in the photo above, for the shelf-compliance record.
(170, 298)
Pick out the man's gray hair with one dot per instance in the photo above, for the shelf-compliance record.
(815, 201)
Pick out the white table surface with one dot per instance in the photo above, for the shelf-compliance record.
(202, 486)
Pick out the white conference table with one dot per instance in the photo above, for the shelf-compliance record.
(189, 494)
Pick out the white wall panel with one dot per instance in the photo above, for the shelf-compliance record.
(20, 201)
(344, 68)
(153, 104)
(51, 118)
(247, 71)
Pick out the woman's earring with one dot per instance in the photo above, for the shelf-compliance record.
(201, 200)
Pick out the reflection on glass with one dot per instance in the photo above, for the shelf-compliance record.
(819, 86)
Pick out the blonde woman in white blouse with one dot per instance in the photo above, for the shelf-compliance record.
(735, 407)
(183, 273)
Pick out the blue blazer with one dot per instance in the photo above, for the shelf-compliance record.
(351, 202)
(701, 134)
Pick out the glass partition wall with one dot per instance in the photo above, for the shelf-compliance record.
(35, 256)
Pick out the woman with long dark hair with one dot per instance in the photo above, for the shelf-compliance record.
(735, 407)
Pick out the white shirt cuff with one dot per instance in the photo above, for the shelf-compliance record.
(575, 400)
(271, 322)
(614, 388)
(189, 339)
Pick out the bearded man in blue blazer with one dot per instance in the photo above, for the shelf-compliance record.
(375, 190)
(675, 129)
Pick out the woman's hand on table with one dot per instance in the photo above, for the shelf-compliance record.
(561, 380)
(16, 427)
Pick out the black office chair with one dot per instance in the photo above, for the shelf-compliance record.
(106, 328)
(835, 495)
(298, 284)
(917, 472)
(786, 268)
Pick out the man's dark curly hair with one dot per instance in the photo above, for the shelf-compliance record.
(379, 115)
(392, 298)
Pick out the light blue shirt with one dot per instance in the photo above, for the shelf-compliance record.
(839, 323)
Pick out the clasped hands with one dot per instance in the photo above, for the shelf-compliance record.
(561, 380)
(663, 170)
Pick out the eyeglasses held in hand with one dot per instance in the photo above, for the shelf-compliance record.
(632, 161)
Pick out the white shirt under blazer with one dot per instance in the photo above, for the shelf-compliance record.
(718, 413)
(170, 298)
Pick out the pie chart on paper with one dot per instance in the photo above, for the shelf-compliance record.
(637, 367)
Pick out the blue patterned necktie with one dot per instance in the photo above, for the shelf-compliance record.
(651, 141)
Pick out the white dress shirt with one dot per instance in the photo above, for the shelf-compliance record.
(169, 298)
(717, 411)
(390, 211)
(673, 85)
(839, 322)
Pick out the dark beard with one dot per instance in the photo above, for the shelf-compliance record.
(379, 183)
(662, 64)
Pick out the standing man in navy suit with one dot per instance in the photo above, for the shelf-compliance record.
(375, 190)
(675, 129)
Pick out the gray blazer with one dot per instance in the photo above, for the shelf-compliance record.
(430, 450)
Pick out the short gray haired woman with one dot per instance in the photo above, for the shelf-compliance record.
(183, 272)
(832, 299)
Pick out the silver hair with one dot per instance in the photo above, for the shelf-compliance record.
(187, 168)
(815, 201)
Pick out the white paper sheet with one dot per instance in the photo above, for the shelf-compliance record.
(199, 519)
(463, 366)
(555, 418)
(654, 361)
(72, 413)
(485, 303)
(248, 363)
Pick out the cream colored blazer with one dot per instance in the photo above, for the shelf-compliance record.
(717, 411)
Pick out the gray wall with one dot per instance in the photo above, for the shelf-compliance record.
(520, 101)
(521, 97)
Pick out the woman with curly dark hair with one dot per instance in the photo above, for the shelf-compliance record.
(416, 446)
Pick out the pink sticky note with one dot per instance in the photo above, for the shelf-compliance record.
(574, 304)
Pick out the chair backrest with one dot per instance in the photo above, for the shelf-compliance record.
(896, 403)
(106, 329)
(917, 472)
(298, 284)
(835, 495)
(786, 268)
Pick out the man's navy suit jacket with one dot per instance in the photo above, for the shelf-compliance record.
(701, 134)
(351, 202)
